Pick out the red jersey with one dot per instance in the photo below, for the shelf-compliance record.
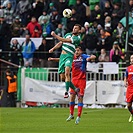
(129, 76)
(79, 67)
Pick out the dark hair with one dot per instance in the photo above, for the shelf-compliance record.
(78, 26)
(8, 71)
(79, 48)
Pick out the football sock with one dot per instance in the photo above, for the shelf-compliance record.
(71, 107)
(80, 107)
(67, 85)
(130, 110)
(72, 86)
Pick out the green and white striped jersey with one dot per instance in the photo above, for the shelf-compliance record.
(70, 47)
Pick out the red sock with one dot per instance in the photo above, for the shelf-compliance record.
(80, 107)
(72, 104)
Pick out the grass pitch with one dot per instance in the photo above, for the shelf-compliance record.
(53, 120)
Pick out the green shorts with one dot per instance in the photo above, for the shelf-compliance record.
(65, 61)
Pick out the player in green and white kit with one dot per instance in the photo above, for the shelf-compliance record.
(69, 44)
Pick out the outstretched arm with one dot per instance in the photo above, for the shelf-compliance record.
(61, 38)
(92, 57)
(53, 59)
(58, 45)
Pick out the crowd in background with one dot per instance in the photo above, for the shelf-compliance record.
(103, 28)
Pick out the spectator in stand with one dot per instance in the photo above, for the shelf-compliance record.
(51, 8)
(104, 41)
(94, 26)
(130, 6)
(15, 49)
(116, 57)
(46, 27)
(87, 26)
(23, 9)
(37, 8)
(16, 27)
(96, 15)
(81, 11)
(107, 11)
(97, 31)
(92, 4)
(28, 49)
(117, 15)
(73, 20)
(60, 32)
(116, 50)
(5, 34)
(108, 28)
(43, 53)
(55, 19)
(107, 20)
(43, 16)
(34, 28)
(103, 57)
(8, 13)
(90, 42)
(13, 2)
(5, 2)
(62, 4)
(119, 35)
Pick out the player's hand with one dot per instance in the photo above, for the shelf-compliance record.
(50, 59)
(53, 33)
(93, 56)
(125, 84)
(51, 50)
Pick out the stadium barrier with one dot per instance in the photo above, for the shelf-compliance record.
(104, 85)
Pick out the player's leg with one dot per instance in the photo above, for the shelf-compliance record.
(129, 106)
(129, 99)
(62, 77)
(81, 84)
(80, 107)
(71, 106)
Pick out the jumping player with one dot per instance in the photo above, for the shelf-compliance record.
(68, 43)
(79, 80)
(128, 81)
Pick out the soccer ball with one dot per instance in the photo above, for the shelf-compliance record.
(67, 13)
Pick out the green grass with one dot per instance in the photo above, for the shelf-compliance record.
(53, 120)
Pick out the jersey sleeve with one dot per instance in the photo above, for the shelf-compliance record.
(75, 40)
(126, 73)
(85, 56)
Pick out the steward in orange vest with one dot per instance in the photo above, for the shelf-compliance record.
(11, 87)
(12, 84)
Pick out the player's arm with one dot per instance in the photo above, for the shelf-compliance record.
(58, 45)
(125, 79)
(61, 38)
(125, 82)
(92, 57)
(53, 59)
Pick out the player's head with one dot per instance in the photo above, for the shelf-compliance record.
(78, 51)
(131, 59)
(76, 29)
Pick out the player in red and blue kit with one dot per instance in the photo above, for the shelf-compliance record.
(79, 80)
(128, 82)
